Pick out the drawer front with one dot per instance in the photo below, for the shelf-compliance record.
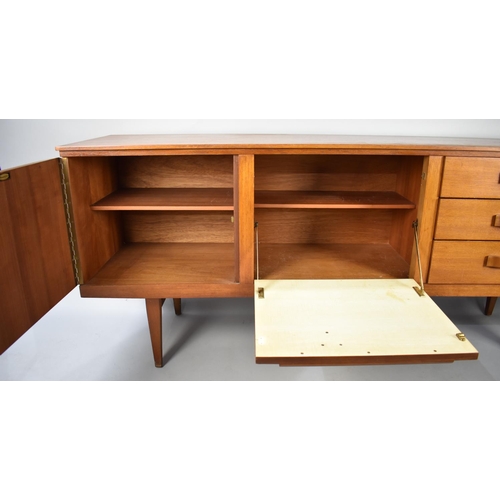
(471, 178)
(465, 262)
(468, 220)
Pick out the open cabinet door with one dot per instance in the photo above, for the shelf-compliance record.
(36, 269)
(352, 322)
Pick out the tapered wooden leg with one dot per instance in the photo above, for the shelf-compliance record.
(490, 305)
(153, 309)
(177, 307)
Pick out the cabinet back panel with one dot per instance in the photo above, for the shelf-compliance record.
(327, 173)
(339, 261)
(175, 171)
(178, 227)
(323, 226)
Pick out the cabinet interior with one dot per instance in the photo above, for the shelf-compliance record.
(154, 219)
(168, 219)
(336, 217)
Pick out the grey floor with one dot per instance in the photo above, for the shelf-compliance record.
(108, 339)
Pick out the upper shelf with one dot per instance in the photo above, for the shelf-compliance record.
(332, 199)
(222, 199)
(167, 199)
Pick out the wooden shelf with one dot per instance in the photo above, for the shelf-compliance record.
(338, 261)
(332, 199)
(222, 199)
(168, 199)
(168, 263)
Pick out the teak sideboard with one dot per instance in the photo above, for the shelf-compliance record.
(340, 240)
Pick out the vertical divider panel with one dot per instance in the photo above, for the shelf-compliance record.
(427, 214)
(408, 184)
(244, 218)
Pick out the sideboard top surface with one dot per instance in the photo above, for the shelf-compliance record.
(220, 143)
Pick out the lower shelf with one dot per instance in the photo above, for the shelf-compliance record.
(339, 261)
(208, 269)
(168, 263)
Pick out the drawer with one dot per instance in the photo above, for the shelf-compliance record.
(468, 220)
(471, 178)
(465, 262)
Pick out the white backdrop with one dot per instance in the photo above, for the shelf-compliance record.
(218, 59)
(25, 141)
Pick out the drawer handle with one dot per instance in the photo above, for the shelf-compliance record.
(493, 261)
(496, 221)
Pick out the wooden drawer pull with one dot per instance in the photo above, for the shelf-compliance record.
(493, 261)
(496, 220)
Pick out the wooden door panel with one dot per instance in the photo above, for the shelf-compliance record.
(36, 269)
(14, 315)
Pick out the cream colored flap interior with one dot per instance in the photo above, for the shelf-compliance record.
(362, 319)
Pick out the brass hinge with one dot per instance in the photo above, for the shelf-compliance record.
(68, 209)
(260, 292)
(5, 176)
(461, 336)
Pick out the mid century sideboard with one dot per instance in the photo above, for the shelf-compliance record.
(340, 240)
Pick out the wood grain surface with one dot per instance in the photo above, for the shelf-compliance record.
(464, 262)
(177, 227)
(332, 199)
(36, 266)
(129, 144)
(167, 199)
(468, 219)
(98, 234)
(244, 218)
(158, 263)
(334, 261)
(324, 226)
(427, 213)
(326, 173)
(175, 171)
(471, 178)
(154, 313)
